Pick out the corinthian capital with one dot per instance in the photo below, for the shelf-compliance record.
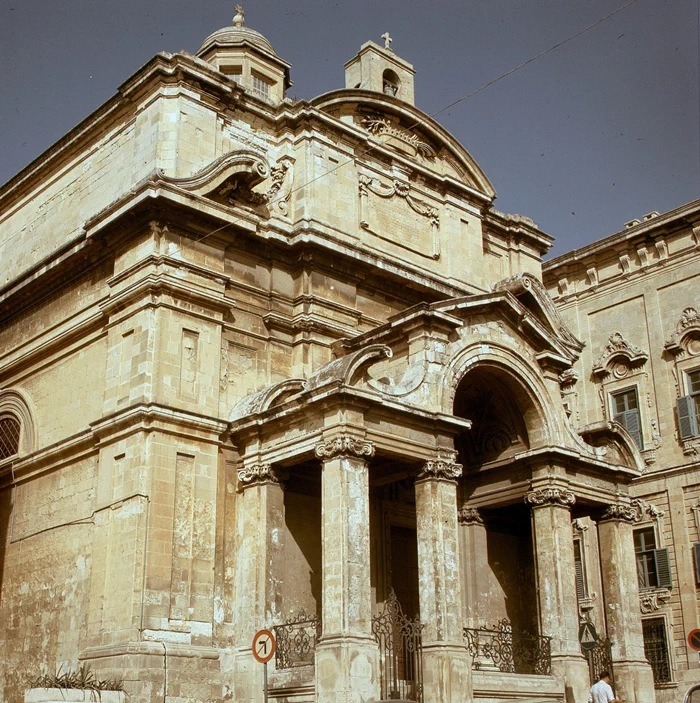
(344, 445)
(257, 474)
(442, 468)
(550, 496)
(620, 512)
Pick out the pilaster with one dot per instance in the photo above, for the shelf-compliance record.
(556, 585)
(347, 666)
(446, 662)
(257, 585)
(473, 556)
(634, 681)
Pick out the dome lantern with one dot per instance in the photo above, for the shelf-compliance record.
(247, 58)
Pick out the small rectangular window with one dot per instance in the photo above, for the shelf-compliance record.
(626, 412)
(656, 649)
(235, 73)
(644, 548)
(688, 407)
(261, 86)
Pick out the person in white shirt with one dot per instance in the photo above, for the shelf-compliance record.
(601, 692)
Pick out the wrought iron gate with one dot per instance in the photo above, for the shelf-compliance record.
(599, 659)
(400, 652)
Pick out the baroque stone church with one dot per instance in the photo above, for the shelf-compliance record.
(276, 364)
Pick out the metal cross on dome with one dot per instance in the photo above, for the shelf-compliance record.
(387, 40)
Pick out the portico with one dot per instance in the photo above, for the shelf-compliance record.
(460, 443)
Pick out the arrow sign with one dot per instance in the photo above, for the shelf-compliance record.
(587, 635)
(264, 646)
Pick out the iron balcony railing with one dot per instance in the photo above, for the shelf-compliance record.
(500, 649)
(296, 641)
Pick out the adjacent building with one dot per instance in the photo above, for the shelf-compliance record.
(276, 364)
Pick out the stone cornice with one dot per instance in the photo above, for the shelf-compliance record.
(552, 495)
(260, 474)
(620, 512)
(442, 468)
(163, 67)
(344, 446)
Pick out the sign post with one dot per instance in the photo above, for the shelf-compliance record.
(264, 646)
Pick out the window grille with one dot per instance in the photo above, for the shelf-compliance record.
(9, 437)
(656, 649)
(626, 412)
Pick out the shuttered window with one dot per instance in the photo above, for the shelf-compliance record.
(696, 554)
(578, 565)
(626, 412)
(688, 407)
(653, 565)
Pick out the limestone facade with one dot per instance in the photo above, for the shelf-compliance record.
(276, 364)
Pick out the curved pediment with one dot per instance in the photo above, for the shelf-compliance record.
(408, 131)
(241, 168)
(530, 291)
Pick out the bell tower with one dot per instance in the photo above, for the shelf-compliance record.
(380, 69)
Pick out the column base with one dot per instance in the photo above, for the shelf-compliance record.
(447, 674)
(248, 676)
(347, 670)
(155, 671)
(572, 671)
(634, 682)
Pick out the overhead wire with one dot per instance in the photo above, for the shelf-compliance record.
(443, 109)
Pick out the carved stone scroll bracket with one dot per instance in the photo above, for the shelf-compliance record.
(260, 474)
(696, 515)
(552, 495)
(618, 357)
(686, 338)
(344, 446)
(650, 601)
(442, 468)
(469, 516)
(620, 512)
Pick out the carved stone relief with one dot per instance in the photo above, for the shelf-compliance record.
(400, 189)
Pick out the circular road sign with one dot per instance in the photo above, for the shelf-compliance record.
(587, 635)
(694, 639)
(264, 646)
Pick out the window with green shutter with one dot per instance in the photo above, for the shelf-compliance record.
(688, 407)
(626, 412)
(578, 567)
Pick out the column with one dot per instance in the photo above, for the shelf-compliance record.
(347, 658)
(446, 662)
(556, 585)
(474, 560)
(634, 682)
(257, 584)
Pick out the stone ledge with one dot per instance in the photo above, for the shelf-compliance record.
(72, 695)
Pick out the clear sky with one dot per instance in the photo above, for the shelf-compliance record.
(595, 133)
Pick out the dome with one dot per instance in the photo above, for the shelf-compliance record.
(237, 35)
